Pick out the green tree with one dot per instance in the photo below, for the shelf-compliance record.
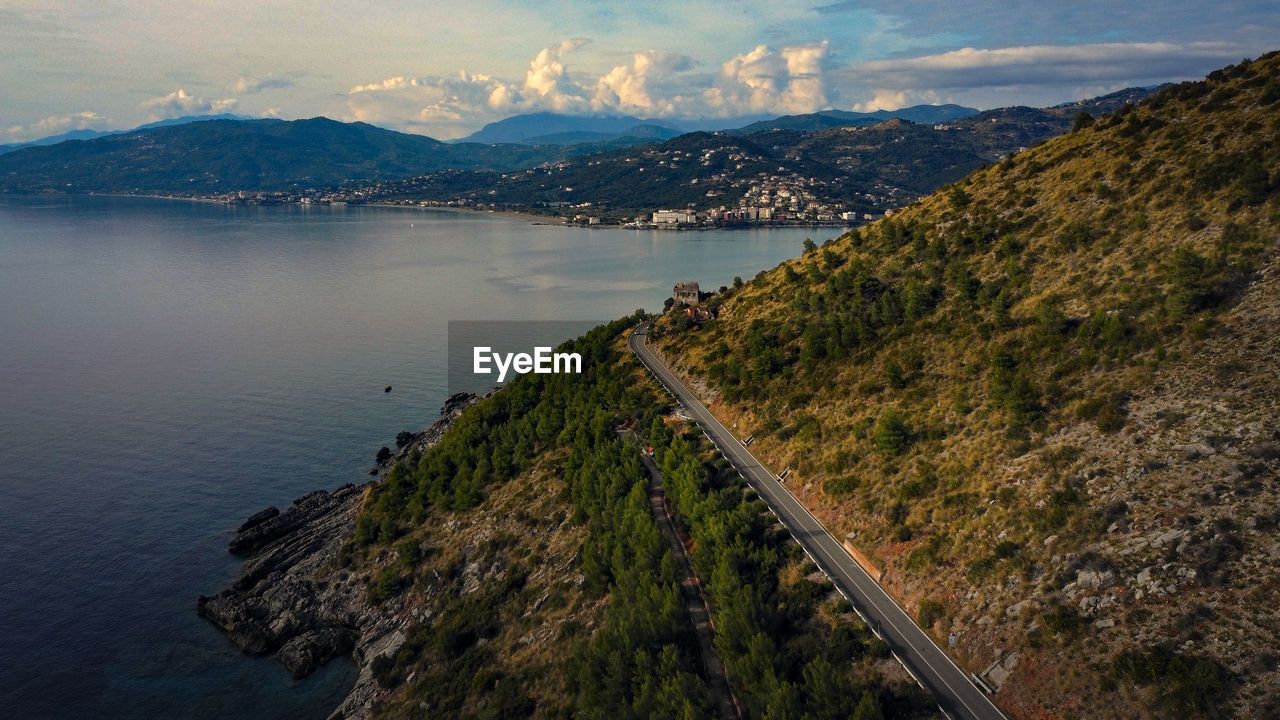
(868, 708)
(892, 434)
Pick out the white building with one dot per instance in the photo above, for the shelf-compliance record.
(673, 217)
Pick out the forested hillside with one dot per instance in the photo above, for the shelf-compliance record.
(525, 544)
(1044, 400)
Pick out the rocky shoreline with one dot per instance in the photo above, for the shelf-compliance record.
(292, 599)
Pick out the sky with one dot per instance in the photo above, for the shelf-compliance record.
(447, 68)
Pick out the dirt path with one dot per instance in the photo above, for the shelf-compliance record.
(717, 678)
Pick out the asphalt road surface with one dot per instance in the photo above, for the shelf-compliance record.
(956, 694)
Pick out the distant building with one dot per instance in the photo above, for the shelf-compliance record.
(673, 217)
(685, 292)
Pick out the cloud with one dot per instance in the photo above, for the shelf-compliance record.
(548, 84)
(986, 23)
(652, 84)
(451, 105)
(790, 80)
(179, 103)
(649, 84)
(1050, 64)
(399, 82)
(55, 125)
(255, 85)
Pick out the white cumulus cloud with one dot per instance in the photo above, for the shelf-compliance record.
(790, 80)
(179, 103)
(649, 84)
(451, 105)
(548, 84)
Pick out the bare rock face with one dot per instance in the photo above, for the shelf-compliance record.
(281, 598)
(292, 601)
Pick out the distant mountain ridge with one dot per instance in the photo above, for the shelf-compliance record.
(557, 129)
(639, 134)
(89, 134)
(520, 129)
(828, 119)
(229, 155)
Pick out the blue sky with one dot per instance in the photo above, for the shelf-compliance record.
(446, 68)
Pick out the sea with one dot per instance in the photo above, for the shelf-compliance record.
(169, 367)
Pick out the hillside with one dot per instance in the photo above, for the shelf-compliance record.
(525, 550)
(229, 155)
(1044, 401)
(851, 167)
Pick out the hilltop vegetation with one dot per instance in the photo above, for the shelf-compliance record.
(1044, 399)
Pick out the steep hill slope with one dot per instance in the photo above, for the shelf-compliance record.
(520, 561)
(1045, 401)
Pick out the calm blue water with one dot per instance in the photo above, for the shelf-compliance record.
(169, 368)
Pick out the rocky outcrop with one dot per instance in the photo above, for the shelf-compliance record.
(279, 598)
(294, 601)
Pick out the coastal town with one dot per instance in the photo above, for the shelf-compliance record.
(716, 186)
(766, 205)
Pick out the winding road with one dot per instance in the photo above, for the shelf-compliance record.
(956, 694)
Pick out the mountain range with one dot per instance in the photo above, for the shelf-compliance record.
(859, 167)
(230, 155)
(557, 129)
(87, 134)
(198, 155)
